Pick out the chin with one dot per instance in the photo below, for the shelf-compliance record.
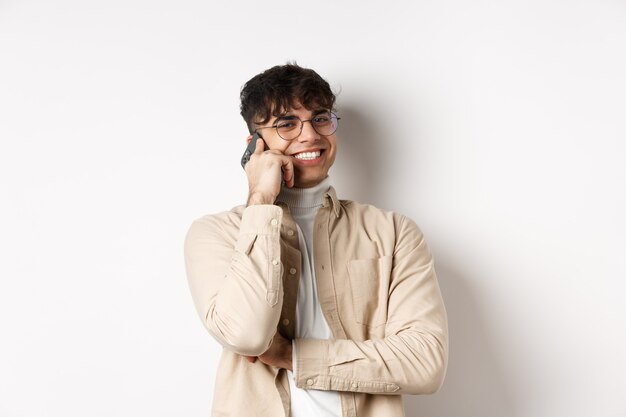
(309, 182)
(312, 179)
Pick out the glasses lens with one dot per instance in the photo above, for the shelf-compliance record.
(325, 123)
(288, 127)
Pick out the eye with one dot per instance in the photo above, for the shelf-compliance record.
(321, 119)
(286, 124)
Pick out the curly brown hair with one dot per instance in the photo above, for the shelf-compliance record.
(275, 90)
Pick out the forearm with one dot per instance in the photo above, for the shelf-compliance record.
(235, 278)
(406, 363)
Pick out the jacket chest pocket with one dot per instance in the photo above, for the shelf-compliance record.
(369, 285)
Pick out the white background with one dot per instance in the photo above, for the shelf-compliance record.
(497, 126)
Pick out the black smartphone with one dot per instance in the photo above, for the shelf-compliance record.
(250, 149)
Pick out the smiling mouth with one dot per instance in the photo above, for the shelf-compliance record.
(308, 156)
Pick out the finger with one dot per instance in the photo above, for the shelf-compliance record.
(260, 146)
(288, 172)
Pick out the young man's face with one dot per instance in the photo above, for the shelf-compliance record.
(312, 154)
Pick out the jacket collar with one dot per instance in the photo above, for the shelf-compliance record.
(331, 200)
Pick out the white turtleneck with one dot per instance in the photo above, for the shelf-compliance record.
(303, 204)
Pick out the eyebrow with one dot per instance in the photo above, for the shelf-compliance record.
(315, 113)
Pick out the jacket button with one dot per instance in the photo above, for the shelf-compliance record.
(309, 382)
(274, 222)
(286, 322)
(292, 271)
(290, 232)
(355, 385)
(274, 262)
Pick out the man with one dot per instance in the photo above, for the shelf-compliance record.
(324, 307)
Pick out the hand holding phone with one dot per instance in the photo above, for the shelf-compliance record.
(270, 171)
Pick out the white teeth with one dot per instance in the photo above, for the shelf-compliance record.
(308, 155)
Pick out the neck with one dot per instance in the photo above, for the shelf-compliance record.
(304, 198)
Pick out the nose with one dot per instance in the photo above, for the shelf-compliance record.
(308, 133)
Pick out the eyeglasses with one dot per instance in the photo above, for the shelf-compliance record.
(290, 127)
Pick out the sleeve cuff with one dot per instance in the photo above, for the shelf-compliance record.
(314, 362)
(261, 219)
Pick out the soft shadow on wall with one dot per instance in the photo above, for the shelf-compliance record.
(475, 386)
(357, 173)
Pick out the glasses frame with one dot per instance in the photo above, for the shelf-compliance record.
(302, 122)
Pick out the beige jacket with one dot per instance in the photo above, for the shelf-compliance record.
(377, 289)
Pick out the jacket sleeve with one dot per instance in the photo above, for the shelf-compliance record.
(235, 277)
(412, 356)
